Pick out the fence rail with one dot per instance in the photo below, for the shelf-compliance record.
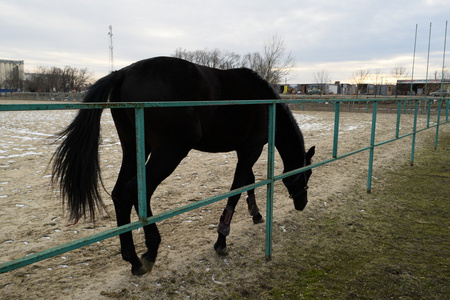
(414, 105)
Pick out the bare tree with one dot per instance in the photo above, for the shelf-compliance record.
(184, 54)
(229, 60)
(255, 62)
(82, 79)
(445, 72)
(273, 64)
(55, 79)
(322, 77)
(359, 78)
(12, 79)
(210, 58)
(377, 78)
(397, 73)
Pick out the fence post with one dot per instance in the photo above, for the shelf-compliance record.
(416, 108)
(437, 124)
(372, 146)
(140, 160)
(399, 112)
(336, 128)
(270, 176)
(447, 102)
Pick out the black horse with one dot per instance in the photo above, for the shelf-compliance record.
(170, 133)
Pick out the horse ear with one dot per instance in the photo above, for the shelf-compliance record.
(310, 153)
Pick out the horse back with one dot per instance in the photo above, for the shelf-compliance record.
(210, 128)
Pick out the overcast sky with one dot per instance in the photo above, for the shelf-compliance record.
(340, 37)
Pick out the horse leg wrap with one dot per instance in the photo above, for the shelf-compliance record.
(253, 209)
(225, 221)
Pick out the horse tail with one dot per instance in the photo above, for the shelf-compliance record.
(76, 160)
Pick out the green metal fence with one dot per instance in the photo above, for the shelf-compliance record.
(414, 105)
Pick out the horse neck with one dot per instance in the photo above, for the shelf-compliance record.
(289, 139)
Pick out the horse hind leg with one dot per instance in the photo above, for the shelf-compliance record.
(143, 265)
(127, 247)
(161, 164)
(253, 209)
(122, 197)
(152, 235)
(152, 242)
(125, 197)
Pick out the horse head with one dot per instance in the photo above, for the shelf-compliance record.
(297, 185)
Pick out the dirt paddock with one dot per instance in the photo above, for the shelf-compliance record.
(32, 217)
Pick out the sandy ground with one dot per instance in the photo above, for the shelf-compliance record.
(32, 218)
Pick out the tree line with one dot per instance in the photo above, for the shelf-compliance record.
(273, 64)
(57, 79)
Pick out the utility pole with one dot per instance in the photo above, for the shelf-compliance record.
(111, 56)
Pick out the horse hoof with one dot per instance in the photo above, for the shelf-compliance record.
(138, 271)
(148, 265)
(258, 219)
(222, 251)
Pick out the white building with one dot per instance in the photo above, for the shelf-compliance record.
(10, 69)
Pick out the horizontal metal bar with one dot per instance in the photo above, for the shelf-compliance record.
(102, 105)
(33, 258)
(204, 202)
(318, 164)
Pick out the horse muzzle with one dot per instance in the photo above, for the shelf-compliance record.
(300, 199)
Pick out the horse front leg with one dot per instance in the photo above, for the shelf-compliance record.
(242, 176)
(225, 220)
(223, 229)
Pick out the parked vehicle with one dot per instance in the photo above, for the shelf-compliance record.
(314, 92)
(445, 93)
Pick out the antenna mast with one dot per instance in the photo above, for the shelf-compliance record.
(111, 56)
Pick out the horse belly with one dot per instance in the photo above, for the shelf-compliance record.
(226, 141)
(229, 128)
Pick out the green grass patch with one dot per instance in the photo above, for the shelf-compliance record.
(390, 244)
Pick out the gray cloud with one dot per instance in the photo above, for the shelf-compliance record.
(338, 36)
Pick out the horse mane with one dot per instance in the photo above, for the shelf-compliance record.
(291, 119)
(268, 87)
(285, 119)
(289, 139)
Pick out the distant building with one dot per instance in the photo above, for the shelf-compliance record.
(12, 73)
(419, 86)
(316, 89)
